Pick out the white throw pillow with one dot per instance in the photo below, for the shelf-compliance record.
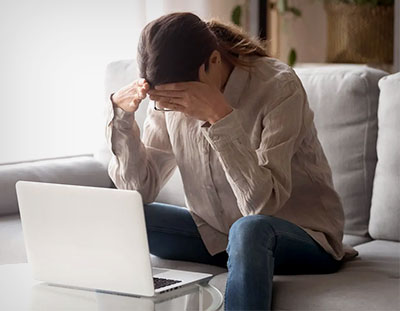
(385, 210)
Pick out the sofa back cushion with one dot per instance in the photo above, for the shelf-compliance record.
(80, 170)
(385, 209)
(345, 100)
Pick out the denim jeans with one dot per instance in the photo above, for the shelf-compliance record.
(259, 247)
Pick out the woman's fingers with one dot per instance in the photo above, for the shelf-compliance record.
(140, 89)
(145, 86)
(172, 105)
(168, 93)
(140, 81)
(175, 100)
(129, 97)
(177, 86)
(141, 93)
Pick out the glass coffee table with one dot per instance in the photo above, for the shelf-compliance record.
(18, 291)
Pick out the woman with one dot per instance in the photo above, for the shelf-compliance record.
(237, 124)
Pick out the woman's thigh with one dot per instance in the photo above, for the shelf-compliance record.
(173, 234)
(296, 252)
(292, 250)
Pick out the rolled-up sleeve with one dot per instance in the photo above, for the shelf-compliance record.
(139, 164)
(261, 177)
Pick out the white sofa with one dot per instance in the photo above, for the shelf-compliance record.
(357, 114)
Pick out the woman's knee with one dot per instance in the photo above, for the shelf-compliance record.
(249, 232)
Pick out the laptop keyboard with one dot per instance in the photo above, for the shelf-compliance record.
(160, 282)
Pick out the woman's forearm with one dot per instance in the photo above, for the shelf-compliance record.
(133, 166)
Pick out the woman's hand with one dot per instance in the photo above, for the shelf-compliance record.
(130, 96)
(199, 100)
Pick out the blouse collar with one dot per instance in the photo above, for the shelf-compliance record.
(235, 85)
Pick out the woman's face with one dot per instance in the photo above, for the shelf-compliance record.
(213, 76)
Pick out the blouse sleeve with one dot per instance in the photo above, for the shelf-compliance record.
(261, 178)
(139, 164)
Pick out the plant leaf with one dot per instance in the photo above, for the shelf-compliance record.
(292, 57)
(295, 11)
(236, 14)
(282, 6)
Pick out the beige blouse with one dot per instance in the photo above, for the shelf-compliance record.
(262, 158)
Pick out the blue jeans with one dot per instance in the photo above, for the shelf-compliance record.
(259, 247)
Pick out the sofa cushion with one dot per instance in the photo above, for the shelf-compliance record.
(119, 74)
(385, 209)
(354, 240)
(345, 100)
(81, 170)
(369, 282)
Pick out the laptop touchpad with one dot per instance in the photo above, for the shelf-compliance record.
(158, 271)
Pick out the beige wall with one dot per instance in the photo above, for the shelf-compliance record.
(306, 34)
(205, 9)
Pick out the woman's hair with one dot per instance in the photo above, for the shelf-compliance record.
(172, 47)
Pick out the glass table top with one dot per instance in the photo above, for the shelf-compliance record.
(18, 291)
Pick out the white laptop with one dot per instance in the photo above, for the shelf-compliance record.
(92, 238)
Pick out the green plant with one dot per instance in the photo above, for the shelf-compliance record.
(284, 8)
(236, 15)
(292, 58)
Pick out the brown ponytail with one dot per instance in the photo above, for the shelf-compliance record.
(234, 42)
